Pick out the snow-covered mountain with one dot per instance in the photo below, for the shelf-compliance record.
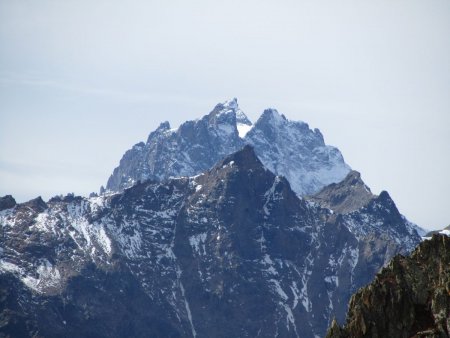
(287, 148)
(230, 252)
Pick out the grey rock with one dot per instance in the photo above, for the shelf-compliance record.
(346, 196)
(7, 202)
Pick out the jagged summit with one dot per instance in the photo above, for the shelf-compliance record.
(231, 108)
(235, 115)
(285, 147)
(292, 149)
(271, 116)
(164, 126)
(228, 105)
(37, 204)
(346, 196)
(225, 108)
(244, 159)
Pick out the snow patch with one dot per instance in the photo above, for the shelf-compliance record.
(188, 310)
(295, 292)
(9, 267)
(243, 129)
(197, 242)
(278, 289)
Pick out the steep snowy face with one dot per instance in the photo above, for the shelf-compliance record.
(232, 252)
(48, 243)
(287, 148)
(291, 149)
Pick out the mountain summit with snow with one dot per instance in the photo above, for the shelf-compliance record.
(285, 147)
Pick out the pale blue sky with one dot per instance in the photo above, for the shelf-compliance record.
(82, 81)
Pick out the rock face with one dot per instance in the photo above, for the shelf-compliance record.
(291, 149)
(232, 252)
(408, 298)
(346, 196)
(7, 202)
(285, 147)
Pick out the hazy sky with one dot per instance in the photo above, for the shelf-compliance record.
(82, 81)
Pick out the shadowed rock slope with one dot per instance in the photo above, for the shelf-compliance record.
(408, 298)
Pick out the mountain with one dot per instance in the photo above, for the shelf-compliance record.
(231, 252)
(352, 202)
(408, 298)
(285, 147)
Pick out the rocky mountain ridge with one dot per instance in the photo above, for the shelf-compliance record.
(285, 147)
(346, 196)
(230, 252)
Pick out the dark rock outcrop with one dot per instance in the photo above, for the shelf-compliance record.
(7, 202)
(408, 298)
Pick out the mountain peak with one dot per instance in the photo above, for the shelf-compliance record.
(164, 126)
(385, 198)
(245, 158)
(346, 196)
(271, 114)
(292, 149)
(36, 204)
(229, 106)
(232, 104)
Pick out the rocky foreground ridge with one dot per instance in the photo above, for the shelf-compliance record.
(408, 298)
